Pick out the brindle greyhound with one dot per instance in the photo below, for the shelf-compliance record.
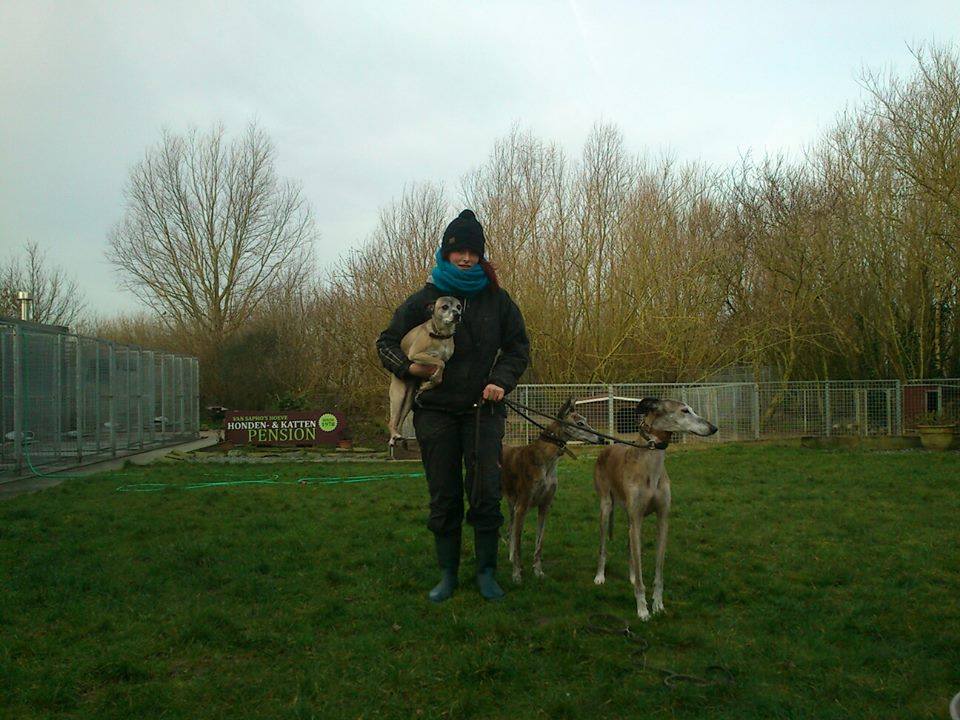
(637, 480)
(528, 478)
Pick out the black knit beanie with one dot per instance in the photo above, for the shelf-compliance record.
(464, 233)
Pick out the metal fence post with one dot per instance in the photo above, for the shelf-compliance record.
(128, 383)
(898, 408)
(716, 412)
(140, 398)
(685, 399)
(526, 425)
(163, 395)
(826, 409)
(98, 410)
(804, 396)
(152, 397)
(857, 407)
(756, 411)
(195, 399)
(18, 398)
(610, 428)
(889, 409)
(80, 404)
(183, 409)
(112, 396)
(174, 396)
(58, 393)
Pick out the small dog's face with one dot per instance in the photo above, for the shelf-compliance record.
(447, 311)
(582, 431)
(673, 416)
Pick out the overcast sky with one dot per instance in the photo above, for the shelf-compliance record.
(361, 98)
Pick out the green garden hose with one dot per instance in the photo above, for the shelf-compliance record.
(272, 480)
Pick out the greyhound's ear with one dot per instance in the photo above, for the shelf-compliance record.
(647, 405)
(566, 408)
(429, 307)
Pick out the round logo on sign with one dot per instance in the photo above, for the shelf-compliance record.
(328, 422)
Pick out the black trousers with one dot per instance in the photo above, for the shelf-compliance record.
(446, 445)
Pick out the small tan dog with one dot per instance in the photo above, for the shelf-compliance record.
(429, 343)
(636, 479)
(528, 478)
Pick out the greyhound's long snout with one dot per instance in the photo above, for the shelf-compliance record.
(711, 429)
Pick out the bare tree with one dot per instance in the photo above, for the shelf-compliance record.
(361, 293)
(57, 299)
(210, 230)
(918, 122)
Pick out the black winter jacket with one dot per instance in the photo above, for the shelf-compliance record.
(490, 346)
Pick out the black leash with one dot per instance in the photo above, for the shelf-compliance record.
(651, 444)
(545, 433)
(476, 491)
(610, 625)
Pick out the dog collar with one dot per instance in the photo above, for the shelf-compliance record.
(653, 443)
(562, 444)
(441, 337)
(553, 440)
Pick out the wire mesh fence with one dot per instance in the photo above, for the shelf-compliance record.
(753, 411)
(610, 408)
(66, 399)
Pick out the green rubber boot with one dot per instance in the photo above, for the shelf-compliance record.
(448, 558)
(486, 543)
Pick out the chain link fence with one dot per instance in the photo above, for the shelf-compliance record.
(66, 400)
(752, 411)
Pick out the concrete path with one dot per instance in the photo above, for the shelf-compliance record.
(12, 488)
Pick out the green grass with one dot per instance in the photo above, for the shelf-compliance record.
(827, 582)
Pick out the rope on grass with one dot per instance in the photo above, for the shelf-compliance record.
(610, 625)
(271, 480)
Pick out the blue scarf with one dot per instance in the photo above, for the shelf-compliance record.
(450, 279)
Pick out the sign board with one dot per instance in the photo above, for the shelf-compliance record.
(283, 428)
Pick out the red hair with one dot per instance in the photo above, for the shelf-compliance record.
(491, 270)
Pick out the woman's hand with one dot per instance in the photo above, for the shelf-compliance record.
(422, 371)
(493, 393)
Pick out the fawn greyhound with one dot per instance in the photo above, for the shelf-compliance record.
(528, 478)
(636, 479)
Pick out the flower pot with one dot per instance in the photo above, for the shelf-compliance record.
(936, 437)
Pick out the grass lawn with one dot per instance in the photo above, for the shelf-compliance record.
(827, 582)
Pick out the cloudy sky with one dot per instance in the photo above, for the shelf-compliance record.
(362, 98)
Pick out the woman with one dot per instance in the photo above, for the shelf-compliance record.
(491, 351)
